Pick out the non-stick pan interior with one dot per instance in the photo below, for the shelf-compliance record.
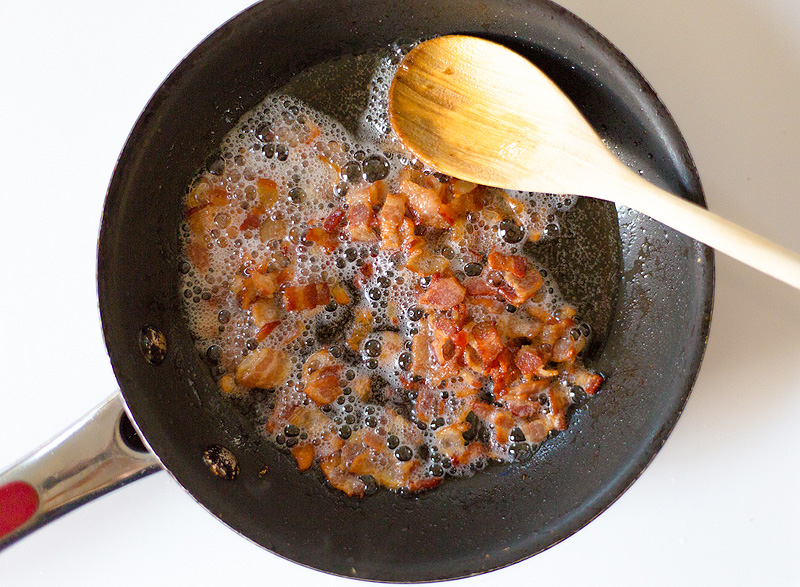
(645, 289)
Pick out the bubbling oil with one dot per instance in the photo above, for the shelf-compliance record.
(314, 159)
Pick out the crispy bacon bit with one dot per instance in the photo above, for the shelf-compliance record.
(333, 220)
(522, 281)
(265, 312)
(529, 360)
(323, 238)
(339, 478)
(503, 423)
(362, 326)
(267, 191)
(340, 295)
(265, 368)
(558, 407)
(304, 455)
(513, 264)
(563, 349)
(425, 194)
(487, 342)
(323, 385)
(390, 218)
(306, 297)
(360, 216)
(443, 294)
(266, 330)
(590, 382)
(251, 222)
(256, 286)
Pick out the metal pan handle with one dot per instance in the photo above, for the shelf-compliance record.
(100, 452)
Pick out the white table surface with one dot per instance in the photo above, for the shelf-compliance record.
(718, 506)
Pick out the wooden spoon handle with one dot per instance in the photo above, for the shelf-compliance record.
(723, 235)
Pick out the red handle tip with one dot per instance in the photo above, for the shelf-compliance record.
(18, 502)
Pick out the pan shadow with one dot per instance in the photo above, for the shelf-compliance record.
(732, 82)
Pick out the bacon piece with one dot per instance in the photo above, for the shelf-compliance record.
(331, 223)
(265, 312)
(513, 264)
(340, 478)
(306, 297)
(529, 360)
(366, 453)
(360, 216)
(272, 229)
(503, 424)
(535, 431)
(564, 349)
(590, 382)
(450, 440)
(390, 218)
(362, 326)
(443, 294)
(304, 455)
(266, 330)
(425, 194)
(254, 287)
(522, 280)
(265, 368)
(340, 295)
(323, 385)
(559, 403)
(487, 342)
(503, 372)
(323, 238)
(251, 222)
(267, 192)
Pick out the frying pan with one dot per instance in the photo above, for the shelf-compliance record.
(649, 351)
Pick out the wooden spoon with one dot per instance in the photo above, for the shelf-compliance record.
(478, 111)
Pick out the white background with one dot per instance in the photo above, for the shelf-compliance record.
(719, 505)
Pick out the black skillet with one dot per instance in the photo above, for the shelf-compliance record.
(646, 291)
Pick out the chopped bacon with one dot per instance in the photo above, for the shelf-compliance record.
(256, 286)
(331, 223)
(487, 342)
(360, 216)
(251, 222)
(306, 297)
(390, 218)
(265, 312)
(341, 479)
(323, 385)
(514, 264)
(425, 194)
(266, 330)
(528, 389)
(503, 424)
(452, 444)
(535, 431)
(265, 368)
(443, 294)
(564, 349)
(364, 273)
(529, 360)
(340, 295)
(477, 286)
(590, 382)
(267, 191)
(362, 326)
(323, 238)
(522, 281)
(304, 455)
(559, 403)
(503, 372)
(359, 221)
